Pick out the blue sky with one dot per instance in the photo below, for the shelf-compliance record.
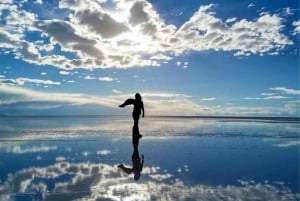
(184, 57)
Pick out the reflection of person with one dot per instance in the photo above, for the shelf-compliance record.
(138, 107)
(137, 162)
(137, 165)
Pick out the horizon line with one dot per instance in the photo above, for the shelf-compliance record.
(162, 116)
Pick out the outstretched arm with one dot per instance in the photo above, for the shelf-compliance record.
(125, 169)
(129, 101)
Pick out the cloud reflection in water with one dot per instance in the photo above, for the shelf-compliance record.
(91, 181)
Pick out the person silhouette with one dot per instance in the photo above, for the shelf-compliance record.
(137, 162)
(138, 107)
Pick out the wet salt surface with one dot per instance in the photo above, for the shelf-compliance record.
(196, 159)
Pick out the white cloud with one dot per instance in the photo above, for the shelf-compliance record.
(64, 72)
(297, 27)
(103, 152)
(22, 81)
(90, 77)
(251, 98)
(288, 144)
(34, 149)
(288, 11)
(286, 90)
(208, 99)
(269, 97)
(178, 63)
(205, 31)
(116, 91)
(161, 57)
(39, 1)
(12, 94)
(102, 181)
(106, 79)
(276, 97)
(132, 33)
(156, 103)
(165, 95)
(251, 5)
(185, 64)
(60, 158)
(267, 94)
(43, 73)
(20, 17)
(233, 19)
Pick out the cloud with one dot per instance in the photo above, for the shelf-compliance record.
(22, 81)
(165, 95)
(12, 94)
(60, 158)
(90, 181)
(251, 98)
(233, 19)
(103, 152)
(286, 90)
(251, 5)
(156, 103)
(275, 97)
(269, 97)
(116, 91)
(99, 22)
(132, 33)
(39, 1)
(288, 144)
(267, 94)
(138, 14)
(17, 149)
(106, 79)
(296, 24)
(90, 77)
(161, 57)
(210, 32)
(64, 72)
(208, 99)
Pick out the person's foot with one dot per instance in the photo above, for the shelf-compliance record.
(121, 105)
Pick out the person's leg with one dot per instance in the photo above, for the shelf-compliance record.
(136, 118)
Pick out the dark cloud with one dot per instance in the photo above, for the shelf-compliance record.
(61, 32)
(138, 14)
(101, 23)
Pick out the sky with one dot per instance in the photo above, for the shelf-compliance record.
(196, 57)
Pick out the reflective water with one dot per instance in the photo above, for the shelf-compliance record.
(77, 158)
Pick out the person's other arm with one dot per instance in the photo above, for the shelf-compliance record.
(143, 109)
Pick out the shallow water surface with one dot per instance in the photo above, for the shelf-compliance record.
(77, 158)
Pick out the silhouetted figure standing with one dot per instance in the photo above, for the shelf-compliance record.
(138, 108)
(137, 162)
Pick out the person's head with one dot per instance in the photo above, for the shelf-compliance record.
(138, 96)
(137, 176)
